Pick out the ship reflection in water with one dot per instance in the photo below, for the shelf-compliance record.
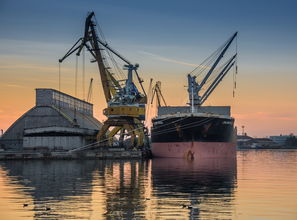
(158, 188)
(115, 189)
(194, 188)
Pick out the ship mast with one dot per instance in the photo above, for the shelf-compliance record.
(194, 88)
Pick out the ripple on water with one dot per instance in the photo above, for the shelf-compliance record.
(259, 184)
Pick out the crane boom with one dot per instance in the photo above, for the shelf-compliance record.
(91, 36)
(113, 51)
(218, 59)
(218, 79)
(194, 87)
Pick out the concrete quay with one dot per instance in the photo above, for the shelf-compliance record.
(114, 153)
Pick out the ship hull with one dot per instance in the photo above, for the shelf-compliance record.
(192, 137)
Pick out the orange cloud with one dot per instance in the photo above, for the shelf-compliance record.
(266, 116)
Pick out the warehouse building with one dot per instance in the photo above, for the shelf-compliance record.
(58, 122)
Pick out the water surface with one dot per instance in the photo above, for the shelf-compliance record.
(260, 184)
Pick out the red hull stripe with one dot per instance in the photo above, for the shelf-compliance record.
(193, 150)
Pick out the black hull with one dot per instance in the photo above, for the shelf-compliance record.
(192, 129)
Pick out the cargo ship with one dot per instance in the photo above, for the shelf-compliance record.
(197, 131)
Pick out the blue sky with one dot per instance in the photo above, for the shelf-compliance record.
(186, 30)
(164, 37)
(154, 21)
(200, 25)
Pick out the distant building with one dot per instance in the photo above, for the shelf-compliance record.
(281, 139)
(57, 122)
(244, 138)
(244, 141)
(247, 142)
(264, 142)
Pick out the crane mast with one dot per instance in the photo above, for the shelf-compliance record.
(125, 110)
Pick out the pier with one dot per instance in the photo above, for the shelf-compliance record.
(109, 153)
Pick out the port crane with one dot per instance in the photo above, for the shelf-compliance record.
(156, 92)
(195, 88)
(125, 110)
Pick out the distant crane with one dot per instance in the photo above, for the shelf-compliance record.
(156, 92)
(125, 110)
(147, 112)
(90, 91)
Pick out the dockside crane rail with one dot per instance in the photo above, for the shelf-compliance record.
(125, 104)
(194, 88)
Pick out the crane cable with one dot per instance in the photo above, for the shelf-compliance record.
(147, 114)
(83, 72)
(118, 71)
(59, 86)
(101, 34)
(114, 63)
(204, 65)
(235, 70)
(75, 85)
(199, 123)
(76, 75)
(208, 60)
(106, 139)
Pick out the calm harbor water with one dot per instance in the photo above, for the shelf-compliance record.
(260, 184)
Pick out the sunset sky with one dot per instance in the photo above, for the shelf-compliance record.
(168, 39)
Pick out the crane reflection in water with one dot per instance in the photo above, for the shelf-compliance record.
(164, 188)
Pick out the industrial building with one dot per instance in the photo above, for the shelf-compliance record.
(281, 139)
(58, 122)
